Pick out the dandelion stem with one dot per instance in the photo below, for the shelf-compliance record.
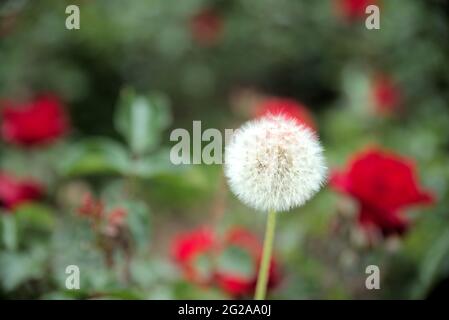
(264, 270)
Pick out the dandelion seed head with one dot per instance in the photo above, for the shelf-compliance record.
(274, 163)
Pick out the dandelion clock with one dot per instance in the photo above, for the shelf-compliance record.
(274, 164)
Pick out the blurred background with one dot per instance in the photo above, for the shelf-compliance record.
(85, 122)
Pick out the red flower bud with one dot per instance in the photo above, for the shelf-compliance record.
(206, 27)
(386, 95)
(91, 207)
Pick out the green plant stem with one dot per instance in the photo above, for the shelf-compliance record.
(264, 270)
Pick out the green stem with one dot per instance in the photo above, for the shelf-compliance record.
(264, 270)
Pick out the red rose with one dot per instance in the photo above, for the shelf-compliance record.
(353, 9)
(383, 184)
(206, 27)
(287, 107)
(33, 123)
(14, 192)
(385, 94)
(239, 284)
(188, 247)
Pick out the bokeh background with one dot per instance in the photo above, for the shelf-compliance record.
(86, 116)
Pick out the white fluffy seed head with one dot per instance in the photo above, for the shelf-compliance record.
(274, 164)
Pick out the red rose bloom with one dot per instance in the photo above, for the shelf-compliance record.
(287, 107)
(383, 184)
(386, 96)
(14, 193)
(206, 27)
(33, 123)
(188, 247)
(353, 9)
(238, 284)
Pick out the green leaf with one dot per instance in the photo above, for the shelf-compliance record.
(149, 272)
(95, 156)
(36, 216)
(141, 120)
(204, 266)
(138, 220)
(157, 163)
(432, 266)
(186, 290)
(356, 89)
(235, 260)
(29, 222)
(187, 186)
(74, 244)
(9, 234)
(17, 268)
